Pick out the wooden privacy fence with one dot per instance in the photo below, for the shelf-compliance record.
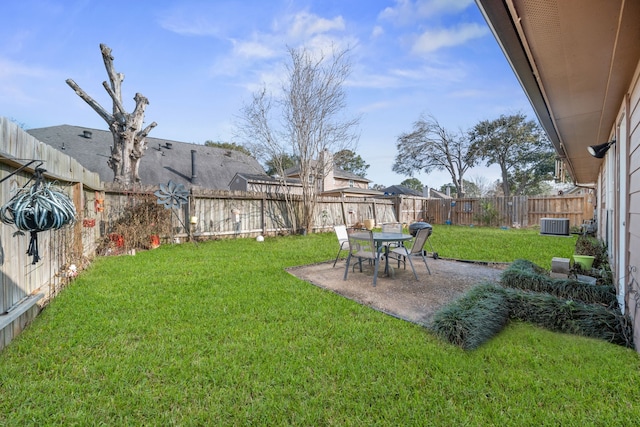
(516, 211)
(24, 283)
(211, 214)
(217, 214)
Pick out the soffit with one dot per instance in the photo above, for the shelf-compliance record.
(577, 59)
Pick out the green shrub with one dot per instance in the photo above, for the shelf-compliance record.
(587, 245)
(488, 214)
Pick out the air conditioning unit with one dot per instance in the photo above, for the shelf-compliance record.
(554, 226)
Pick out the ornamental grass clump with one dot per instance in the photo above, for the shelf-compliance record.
(525, 275)
(569, 316)
(474, 318)
(528, 294)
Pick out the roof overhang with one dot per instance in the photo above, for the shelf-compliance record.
(575, 60)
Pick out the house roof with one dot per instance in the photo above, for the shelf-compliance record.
(352, 191)
(401, 189)
(341, 173)
(163, 160)
(337, 172)
(575, 60)
(438, 194)
(264, 178)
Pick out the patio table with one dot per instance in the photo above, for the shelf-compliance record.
(380, 239)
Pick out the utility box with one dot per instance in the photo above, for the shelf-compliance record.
(554, 226)
(560, 265)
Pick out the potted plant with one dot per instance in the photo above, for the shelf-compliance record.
(589, 253)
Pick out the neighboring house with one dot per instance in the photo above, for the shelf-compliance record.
(434, 194)
(352, 192)
(264, 184)
(578, 62)
(401, 190)
(164, 160)
(333, 181)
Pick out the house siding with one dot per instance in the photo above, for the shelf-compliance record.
(631, 276)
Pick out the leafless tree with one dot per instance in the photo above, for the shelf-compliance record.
(478, 186)
(129, 138)
(305, 122)
(431, 147)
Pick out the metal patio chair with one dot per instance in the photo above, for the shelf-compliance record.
(392, 227)
(343, 240)
(362, 247)
(402, 254)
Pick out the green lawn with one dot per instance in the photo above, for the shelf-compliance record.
(220, 334)
(496, 244)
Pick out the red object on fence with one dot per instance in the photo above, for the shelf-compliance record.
(117, 239)
(98, 204)
(89, 222)
(155, 241)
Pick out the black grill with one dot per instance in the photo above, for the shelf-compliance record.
(413, 228)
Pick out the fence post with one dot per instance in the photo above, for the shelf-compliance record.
(78, 195)
(263, 225)
(344, 214)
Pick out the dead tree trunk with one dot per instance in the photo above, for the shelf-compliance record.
(129, 138)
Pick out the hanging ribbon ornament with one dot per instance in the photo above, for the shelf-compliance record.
(38, 208)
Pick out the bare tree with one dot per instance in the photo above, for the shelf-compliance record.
(129, 138)
(431, 147)
(478, 186)
(305, 123)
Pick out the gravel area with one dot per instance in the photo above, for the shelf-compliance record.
(400, 295)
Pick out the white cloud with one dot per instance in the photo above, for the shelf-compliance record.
(253, 49)
(406, 12)
(381, 105)
(469, 93)
(373, 81)
(377, 32)
(304, 25)
(10, 69)
(432, 40)
(302, 29)
(13, 78)
(438, 73)
(189, 25)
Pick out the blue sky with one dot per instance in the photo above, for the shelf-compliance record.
(199, 61)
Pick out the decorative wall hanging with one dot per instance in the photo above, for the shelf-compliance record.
(173, 196)
(38, 208)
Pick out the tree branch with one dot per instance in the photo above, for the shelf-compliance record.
(92, 103)
(117, 102)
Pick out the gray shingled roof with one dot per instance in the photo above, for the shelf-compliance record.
(338, 172)
(268, 179)
(215, 167)
(401, 189)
